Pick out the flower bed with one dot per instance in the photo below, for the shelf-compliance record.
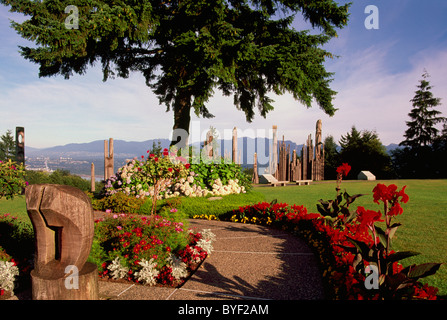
(148, 250)
(166, 176)
(355, 254)
(152, 250)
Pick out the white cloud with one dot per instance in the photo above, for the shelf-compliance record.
(372, 98)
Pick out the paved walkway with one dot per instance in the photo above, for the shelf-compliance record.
(248, 262)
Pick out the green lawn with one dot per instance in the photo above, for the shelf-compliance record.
(424, 221)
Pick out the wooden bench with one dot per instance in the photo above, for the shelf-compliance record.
(303, 182)
(282, 183)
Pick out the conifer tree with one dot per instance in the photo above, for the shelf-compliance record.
(188, 48)
(422, 130)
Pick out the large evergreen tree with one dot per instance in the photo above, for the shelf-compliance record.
(188, 48)
(423, 155)
(422, 129)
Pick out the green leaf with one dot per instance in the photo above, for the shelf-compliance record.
(400, 255)
(362, 247)
(422, 270)
(381, 234)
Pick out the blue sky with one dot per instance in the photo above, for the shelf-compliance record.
(375, 77)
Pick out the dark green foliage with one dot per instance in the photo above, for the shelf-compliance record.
(187, 49)
(209, 172)
(331, 158)
(425, 149)
(421, 130)
(364, 152)
(119, 203)
(7, 147)
(59, 177)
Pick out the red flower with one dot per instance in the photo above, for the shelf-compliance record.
(156, 159)
(384, 193)
(170, 169)
(404, 196)
(367, 217)
(344, 169)
(187, 166)
(396, 210)
(151, 155)
(165, 152)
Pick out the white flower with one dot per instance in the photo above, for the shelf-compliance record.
(208, 235)
(117, 270)
(148, 273)
(8, 271)
(205, 245)
(190, 179)
(178, 267)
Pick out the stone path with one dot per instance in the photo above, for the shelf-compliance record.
(248, 262)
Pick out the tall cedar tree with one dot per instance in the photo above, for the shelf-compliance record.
(186, 49)
(421, 130)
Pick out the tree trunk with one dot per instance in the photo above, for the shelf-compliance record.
(182, 118)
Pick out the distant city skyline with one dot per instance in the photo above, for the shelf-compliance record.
(375, 76)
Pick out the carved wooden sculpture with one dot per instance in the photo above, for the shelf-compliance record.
(62, 217)
(20, 145)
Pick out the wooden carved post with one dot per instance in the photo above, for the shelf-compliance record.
(92, 177)
(319, 152)
(255, 178)
(62, 218)
(304, 163)
(234, 146)
(108, 159)
(274, 164)
(20, 145)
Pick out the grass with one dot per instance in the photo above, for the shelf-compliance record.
(424, 221)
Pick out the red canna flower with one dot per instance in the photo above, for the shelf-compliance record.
(344, 169)
(367, 217)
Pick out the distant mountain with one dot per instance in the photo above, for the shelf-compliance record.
(391, 147)
(121, 148)
(82, 154)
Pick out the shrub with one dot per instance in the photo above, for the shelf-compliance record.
(118, 203)
(166, 177)
(16, 249)
(62, 177)
(12, 179)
